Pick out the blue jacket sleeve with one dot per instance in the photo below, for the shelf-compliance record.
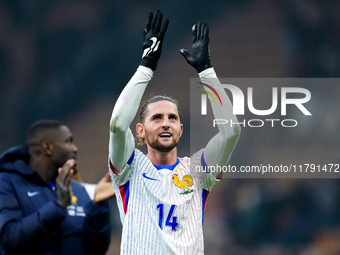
(97, 228)
(17, 231)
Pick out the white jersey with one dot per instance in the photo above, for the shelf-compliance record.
(162, 207)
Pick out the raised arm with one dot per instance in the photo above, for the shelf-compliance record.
(220, 147)
(122, 143)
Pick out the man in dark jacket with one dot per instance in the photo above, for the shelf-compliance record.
(44, 211)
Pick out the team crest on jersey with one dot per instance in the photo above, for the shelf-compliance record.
(186, 184)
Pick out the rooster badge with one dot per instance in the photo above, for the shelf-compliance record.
(185, 184)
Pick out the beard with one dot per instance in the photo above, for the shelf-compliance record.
(162, 147)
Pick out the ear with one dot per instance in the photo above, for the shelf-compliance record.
(140, 130)
(47, 148)
(181, 130)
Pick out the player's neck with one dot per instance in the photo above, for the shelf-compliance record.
(162, 158)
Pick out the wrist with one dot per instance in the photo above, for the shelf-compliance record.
(208, 73)
(147, 69)
(149, 63)
(201, 68)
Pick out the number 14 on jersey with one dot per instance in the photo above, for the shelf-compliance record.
(171, 221)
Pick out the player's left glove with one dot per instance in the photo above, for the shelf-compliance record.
(153, 39)
(200, 56)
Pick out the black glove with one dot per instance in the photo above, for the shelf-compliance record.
(200, 56)
(153, 39)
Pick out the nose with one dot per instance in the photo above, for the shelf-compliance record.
(166, 123)
(75, 148)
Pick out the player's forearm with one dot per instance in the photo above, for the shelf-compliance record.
(219, 149)
(128, 102)
(121, 142)
(224, 111)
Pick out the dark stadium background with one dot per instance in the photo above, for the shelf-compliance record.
(68, 60)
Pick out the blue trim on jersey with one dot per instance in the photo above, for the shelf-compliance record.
(203, 164)
(125, 194)
(169, 167)
(205, 193)
(131, 158)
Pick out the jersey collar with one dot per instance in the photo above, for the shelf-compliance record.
(169, 167)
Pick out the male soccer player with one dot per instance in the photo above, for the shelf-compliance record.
(44, 211)
(160, 197)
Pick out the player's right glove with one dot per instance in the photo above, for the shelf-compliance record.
(200, 56)
(153, 39)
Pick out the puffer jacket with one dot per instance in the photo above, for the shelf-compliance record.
(32, 222)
